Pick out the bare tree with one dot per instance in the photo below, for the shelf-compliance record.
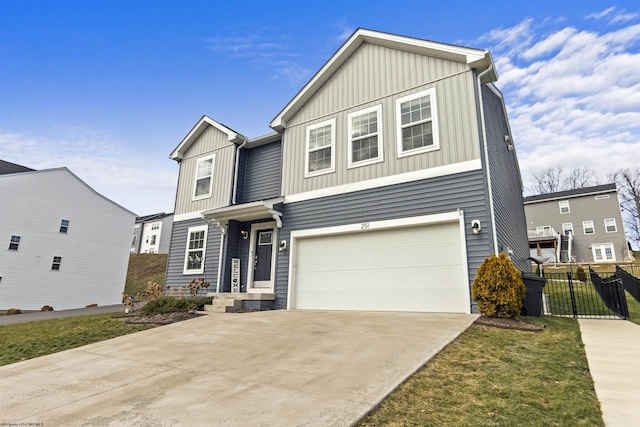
(628, 183)
(580, 178)
(547, 181)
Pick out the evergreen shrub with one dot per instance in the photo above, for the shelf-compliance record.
(498, 288)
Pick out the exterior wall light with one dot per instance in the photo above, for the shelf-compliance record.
(244, 234)
(475, 226)
(282, 246)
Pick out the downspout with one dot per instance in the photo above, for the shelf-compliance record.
(486, 158)
(235, 173)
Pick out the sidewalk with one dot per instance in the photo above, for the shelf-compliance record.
(613, 353)
(46, 315)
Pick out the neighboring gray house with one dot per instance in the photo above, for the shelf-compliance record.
(387, 180)
(583, 225)
(65, 245)
(152, 234)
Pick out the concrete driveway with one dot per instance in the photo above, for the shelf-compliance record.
(286, 368)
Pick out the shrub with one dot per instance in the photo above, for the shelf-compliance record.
(581, 275)
(498, 288)
(153, 290)
(166, 304)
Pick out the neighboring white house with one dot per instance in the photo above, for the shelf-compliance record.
(152, 234)
(65, 245)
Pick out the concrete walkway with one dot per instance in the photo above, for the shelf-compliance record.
(285, 368)
(613, 353)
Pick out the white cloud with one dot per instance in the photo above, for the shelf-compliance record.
(129, 179)
(573, 94)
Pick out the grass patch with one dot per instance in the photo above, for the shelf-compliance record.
(145, 268)
(634, 309)
(34, 339)
(496, 377)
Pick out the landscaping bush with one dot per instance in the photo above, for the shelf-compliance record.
(581, 275)
(498, 288)
(165, 304)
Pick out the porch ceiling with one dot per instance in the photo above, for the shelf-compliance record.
(244, 212)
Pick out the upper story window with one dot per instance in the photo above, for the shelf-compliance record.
(567, 229)
(155, 226)
(564, 206)
(544, 230)
(204, 178)
(136, 226)
(56, 263)
(320, 156)
(153, 240)
(587, 227)
(14, 243)
(195, 251)
(365, 136)
(602, 196)
(64, 225)
(610, 225)
(416, 118)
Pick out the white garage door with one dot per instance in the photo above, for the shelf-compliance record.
(418, 268)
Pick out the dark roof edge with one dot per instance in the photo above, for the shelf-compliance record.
(605, 188)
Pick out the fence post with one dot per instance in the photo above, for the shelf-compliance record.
(574, 308)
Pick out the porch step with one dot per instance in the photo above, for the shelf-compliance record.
(231, 302)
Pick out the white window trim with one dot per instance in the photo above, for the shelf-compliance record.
(351, 164)
(614, 225)
(434, 123)
(569, 228)
(584, 229)
(560, 203)
(603, 246)
(195, 177)
(332, 123)
(204, 228)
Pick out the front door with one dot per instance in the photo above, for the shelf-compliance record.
(263, 239)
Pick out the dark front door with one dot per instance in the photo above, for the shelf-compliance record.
(263, 257)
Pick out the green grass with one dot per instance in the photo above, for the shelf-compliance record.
(34, 339)
(496, 377)
(634, 309)
(145, 268)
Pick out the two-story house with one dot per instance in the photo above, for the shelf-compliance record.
(152, 234)
(65, 245)
(581, 225)
(388, 179)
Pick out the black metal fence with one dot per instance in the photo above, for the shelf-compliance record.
(592, 295)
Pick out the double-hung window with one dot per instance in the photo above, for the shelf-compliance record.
(416, 118)
(567, 229)
(195, 251)
(564, 206)
(64, 226)
(204, 178)
(610, 225)
(14, 243)
(320, 157)
(587, 227)
(365, 136)
(55, 265)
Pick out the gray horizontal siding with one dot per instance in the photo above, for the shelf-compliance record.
(262, 172)
(511, 225)
(444, 194)
(175, 261)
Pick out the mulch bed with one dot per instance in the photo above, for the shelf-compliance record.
(503, 323)
(157, 319)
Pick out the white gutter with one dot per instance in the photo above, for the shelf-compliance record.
(486, 159)
(235, 173)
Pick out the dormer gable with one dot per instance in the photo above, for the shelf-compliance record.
(203, 124)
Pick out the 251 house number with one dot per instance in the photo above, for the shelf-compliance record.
(364, 226)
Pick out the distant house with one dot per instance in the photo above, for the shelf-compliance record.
(65, 245)
(582, 225)
(152, 234)
(387, 180)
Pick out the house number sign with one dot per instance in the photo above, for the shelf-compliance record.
(235, 275)
(364, 226)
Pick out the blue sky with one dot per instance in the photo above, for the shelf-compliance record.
(109, 88)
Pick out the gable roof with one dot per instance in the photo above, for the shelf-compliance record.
(202, 125)
(64, 169)
(8, 167)
(481, 60)
(587, 191)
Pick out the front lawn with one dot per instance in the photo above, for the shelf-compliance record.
(497, 377)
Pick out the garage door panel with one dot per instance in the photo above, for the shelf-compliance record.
(419, 268)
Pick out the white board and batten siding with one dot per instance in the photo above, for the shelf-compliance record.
(94, 251)
(413, 264)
